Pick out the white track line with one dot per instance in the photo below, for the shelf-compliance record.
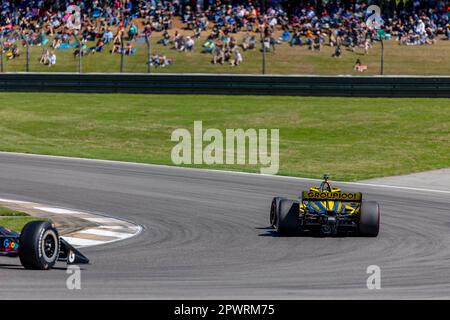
(102, 220)
(58, 210)
(80, 242)
(112, 227)
(13, 201)
(106, 233)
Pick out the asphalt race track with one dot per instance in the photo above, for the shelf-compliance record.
(206, 236)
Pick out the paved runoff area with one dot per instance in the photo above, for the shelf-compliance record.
(435, 179)
(81, 229)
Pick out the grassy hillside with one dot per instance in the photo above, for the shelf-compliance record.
(410, 60)
(349, 138)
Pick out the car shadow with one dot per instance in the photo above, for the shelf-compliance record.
(271, 232)
(7, 266)
(264, 228)
(11, 266)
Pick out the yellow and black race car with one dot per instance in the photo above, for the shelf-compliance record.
(326, 210)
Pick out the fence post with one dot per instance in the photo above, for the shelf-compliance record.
(382, 57)
(149, 53)
(1, 53)
(263, 41)
(25, 41)
(22, 36)
(263, 11)
(80, 51)
(28, 56)
(121, 53)
(80, 57)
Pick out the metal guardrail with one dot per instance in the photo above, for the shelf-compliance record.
(349, 86)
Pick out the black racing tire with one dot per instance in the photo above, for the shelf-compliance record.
(274, 208)
(369, 220)
(39, 245)
(288, 216)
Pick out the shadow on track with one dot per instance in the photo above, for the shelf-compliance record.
(8, 266)
(271, 232)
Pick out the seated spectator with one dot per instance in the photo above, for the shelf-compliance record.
(154, 60)
(54, 23)
(219, 53)
(44, 57)
(237, 59)
(167, 23)
(164, 61)
(358, 66)
(160, 61)
(233, 43)
(249, 42)
(227, 54)
(226, 39)
(132, 32)
(202, 22)
(41, 39)
(208, 46)
(317, 42)
(52, 59)
(129, 49)
(83, 51)
(447, 32)
(116, 46)
(57, 41)
(107, 36)
(286, 36)
(97, 48)
(332, 39)
(13, 52)
(197, 33)
(337, 52)
(309, 38)
(179, 42)
(189, 44)
(165, 39)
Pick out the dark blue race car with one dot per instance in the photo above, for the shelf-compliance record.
(38, 246)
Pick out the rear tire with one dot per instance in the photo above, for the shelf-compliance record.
(274, 208)
(39, 245)
(369, 220)
(288, 216)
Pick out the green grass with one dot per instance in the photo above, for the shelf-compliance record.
(13, 219)
(410, 60)
(6, 212)
(349, 138)
(16, 224)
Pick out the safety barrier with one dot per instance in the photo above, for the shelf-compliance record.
(350, 86)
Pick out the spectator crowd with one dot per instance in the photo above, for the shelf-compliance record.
(226, 29)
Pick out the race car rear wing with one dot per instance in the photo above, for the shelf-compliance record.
(331, 196)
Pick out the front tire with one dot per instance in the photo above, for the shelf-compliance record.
(369, 220)
(39, 245)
